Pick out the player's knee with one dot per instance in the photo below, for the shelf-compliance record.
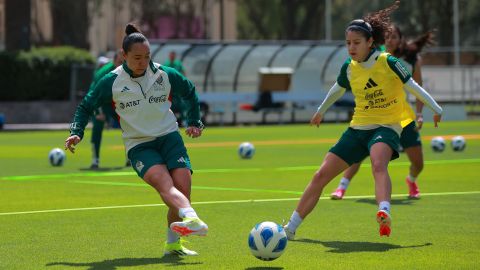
(379, 167)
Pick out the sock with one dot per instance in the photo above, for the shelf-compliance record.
(187, 212)
(95, 161)
(344, 183)
(411, 178)
(172, 237)
(384, 205)
(294, 222)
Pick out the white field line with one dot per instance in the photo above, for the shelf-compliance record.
(221, 202)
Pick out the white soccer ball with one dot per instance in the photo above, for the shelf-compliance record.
(56, 157)
(267, 240)
(438, 144)
(458, 143)
(246, 150)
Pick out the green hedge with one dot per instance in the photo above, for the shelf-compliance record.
(41, 73)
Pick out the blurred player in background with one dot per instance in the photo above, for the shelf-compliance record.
(106, 112)
(378, 82)
(408, 54)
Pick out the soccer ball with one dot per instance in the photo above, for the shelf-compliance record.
(458, 143)
(438, 144)
(267, 240)
(56, 157)
(246, 150)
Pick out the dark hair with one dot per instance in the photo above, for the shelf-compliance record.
(374, 25)
(411, 48)
(133, 35)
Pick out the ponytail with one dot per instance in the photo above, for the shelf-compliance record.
(133, 35)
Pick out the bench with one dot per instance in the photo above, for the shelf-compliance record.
(220, 103)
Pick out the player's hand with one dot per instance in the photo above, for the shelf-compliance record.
(316, 119)
(193, 132)
(436, 119)
(71, 141)
(419, 121)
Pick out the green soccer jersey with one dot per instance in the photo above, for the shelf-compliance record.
(142, 103)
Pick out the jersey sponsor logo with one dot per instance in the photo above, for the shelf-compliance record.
(370, 84)
(125, 89)
(124, 105)
(159, 99)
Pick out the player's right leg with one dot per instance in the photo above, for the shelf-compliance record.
(331, 167)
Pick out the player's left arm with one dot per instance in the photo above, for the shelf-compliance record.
(417, 76)
(410, 85)
(185, 89)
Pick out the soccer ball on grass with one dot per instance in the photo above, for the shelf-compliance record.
(438, 144)
(267, 240)
(57, 157)
(246, 150)
(458, 143)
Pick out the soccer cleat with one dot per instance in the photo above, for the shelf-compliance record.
(385, 222)
(177, 248)
(189, 226)
(94, 166)
(290, 234)
(413, 191)
(338, 194)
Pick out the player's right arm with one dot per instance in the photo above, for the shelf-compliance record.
(334, 94)
(100, 94)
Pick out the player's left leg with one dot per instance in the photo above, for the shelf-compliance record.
(380, 154)
(96, 141)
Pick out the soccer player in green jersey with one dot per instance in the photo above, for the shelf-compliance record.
(141, 92)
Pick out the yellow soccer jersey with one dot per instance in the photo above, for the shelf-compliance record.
(378, 89)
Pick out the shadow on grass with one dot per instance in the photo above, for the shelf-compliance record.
(405, 201)
(263, 268)
(347, 247)
(104, 169)
(126, 262)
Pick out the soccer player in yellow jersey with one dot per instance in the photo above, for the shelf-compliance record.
(407, 53)
(378, 82)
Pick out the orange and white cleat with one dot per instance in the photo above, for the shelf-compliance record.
(385, 222)
(413, 191)
(189, 226)
(337, 194)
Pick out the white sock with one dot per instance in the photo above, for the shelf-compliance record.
(172, 237)
(344, 183)
(294, 222)
(411, 178)
(384, 205)
(187, 212)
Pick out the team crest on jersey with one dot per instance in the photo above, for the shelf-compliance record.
(159, 85)
(139, 166)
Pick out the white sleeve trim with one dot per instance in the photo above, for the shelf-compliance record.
(334, 94)
(420, 93)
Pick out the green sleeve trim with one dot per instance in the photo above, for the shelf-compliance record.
(342, 78)
(96, 97)
(183, 89)
(398, 68)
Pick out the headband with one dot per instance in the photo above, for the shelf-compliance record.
(361, 25)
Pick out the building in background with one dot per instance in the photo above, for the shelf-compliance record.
(205, 19)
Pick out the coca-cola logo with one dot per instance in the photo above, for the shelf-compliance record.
(159, 99)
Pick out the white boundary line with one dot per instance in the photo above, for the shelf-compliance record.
(221, 202)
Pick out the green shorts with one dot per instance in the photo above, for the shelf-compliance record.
(410, 137)
(354, 145)
(168, 149)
